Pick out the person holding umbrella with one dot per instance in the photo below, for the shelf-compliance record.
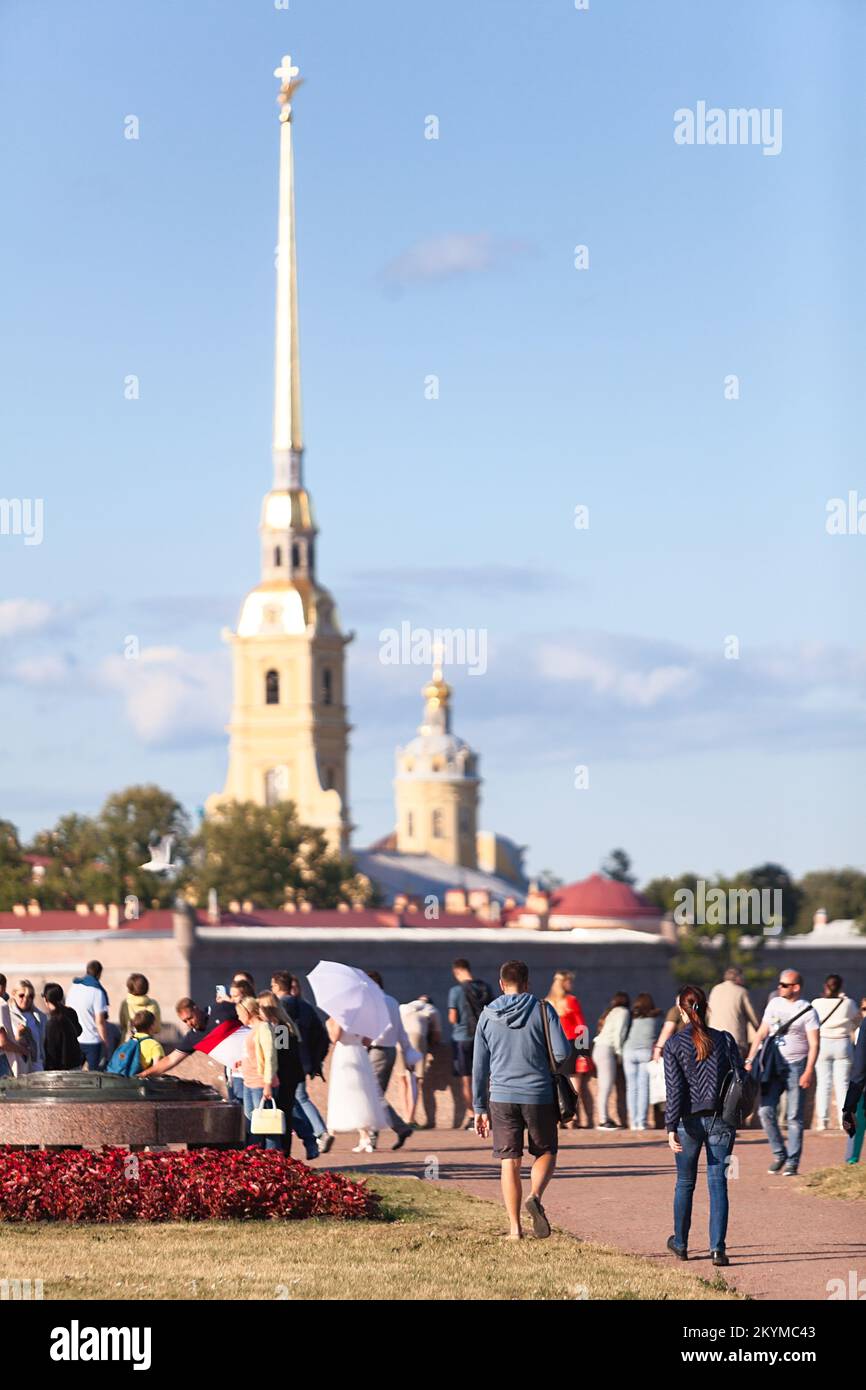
(356, 1014)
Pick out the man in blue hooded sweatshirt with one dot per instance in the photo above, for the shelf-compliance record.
(511, 1057)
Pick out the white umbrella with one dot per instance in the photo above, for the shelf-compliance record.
(351, 997)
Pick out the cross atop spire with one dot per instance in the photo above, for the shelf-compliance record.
(288, 74)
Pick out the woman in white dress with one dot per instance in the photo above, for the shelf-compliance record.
(354, 1099)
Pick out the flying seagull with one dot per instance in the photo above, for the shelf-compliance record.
(160, 856)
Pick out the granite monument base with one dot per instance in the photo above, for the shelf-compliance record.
(92, 1109)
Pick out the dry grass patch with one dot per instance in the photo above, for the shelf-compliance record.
(846, 1180)
(435, 1245)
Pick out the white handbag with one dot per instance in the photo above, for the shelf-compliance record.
(656, 1071)
(268, 1120)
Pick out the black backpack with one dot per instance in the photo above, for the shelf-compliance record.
(477, 995)
(737, 1091)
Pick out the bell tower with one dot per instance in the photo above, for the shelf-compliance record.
(437, 785)
(288, 735)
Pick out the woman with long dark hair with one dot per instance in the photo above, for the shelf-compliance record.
(697, 1061)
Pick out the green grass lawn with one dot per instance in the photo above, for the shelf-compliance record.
(434, 1244)
(846, 1180)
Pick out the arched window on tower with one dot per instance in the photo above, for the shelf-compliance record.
(278, 557)
(310, 561)
(410, 824)
(296, 556)
(272, 688)
(276, 785)
(329, 779)
(438, 825)
(327, 686)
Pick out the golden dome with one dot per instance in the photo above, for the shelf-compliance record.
(437, 691)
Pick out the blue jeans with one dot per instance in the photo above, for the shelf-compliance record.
(636, 1066)
(789, 1081)
(695, 1133)
(252, 1100)
(92, 1054)
(309, 1109)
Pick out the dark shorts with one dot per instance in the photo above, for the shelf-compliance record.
(463, 1057)
(508, 1122)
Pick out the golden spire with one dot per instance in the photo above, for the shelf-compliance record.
(437, 695)
(288, 442)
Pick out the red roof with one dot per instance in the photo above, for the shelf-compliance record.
(598, 896)
(366, 918)
(161, 920)
(60, 920)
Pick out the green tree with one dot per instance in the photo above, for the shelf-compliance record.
(704, 953)
(15, 886)
(264, 853)
(662, 891)
(841, 891)
(548, 881)
(127, 825)
(618, 867)
(75, 873)
(772, 877)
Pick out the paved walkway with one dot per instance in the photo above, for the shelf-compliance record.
(617, 1189)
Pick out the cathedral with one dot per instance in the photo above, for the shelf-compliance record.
(289, 729)
(288, 735)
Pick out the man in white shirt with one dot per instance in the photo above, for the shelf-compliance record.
(797, 1054)
(88, 999)
(383, 1054)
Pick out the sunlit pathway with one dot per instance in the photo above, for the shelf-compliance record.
(617, 1189)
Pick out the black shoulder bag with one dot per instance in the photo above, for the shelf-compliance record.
(767, 1065)
(564, 1095)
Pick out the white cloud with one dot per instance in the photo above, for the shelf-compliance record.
(625, 680)
(24, 615)
(455, 253)
(172, 697)
(44, 670)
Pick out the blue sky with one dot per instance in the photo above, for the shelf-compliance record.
(557, 387)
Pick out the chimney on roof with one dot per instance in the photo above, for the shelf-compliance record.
(213, 907)
(184, 922)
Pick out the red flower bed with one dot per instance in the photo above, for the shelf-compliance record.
(198, 1185)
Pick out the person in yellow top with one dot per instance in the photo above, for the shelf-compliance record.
(137, 997)
(143, 1025)
(258, 1066)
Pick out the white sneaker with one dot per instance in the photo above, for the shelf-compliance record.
(363, 1149)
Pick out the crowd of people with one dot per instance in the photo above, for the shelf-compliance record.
(505, 1054)
(712, 1074)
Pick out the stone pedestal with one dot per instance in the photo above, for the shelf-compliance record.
(92, 1109)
